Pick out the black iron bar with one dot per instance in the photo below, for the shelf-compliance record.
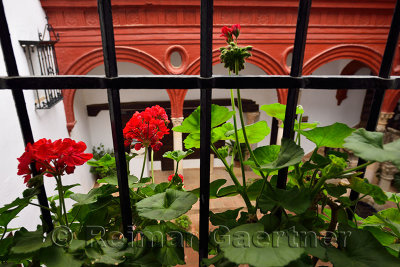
(205, 123)
(384, 72)
(274, 131)
(295, 71)
(350, 82)
(110, 65)
(20, 105)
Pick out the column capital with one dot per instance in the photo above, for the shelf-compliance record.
(177, 121)
(383, 120)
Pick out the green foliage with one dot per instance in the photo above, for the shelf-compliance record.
(183, 222)
(359, 248)
(93, 195)
(278, 110)
(234, 56)
(113, 180)
(292, 199)
(256, 132)
(104, 166)
(289, 154)
(249, 244)
(177, 155)
(369, 146)
(191, 124)
(362, 186)
(329, 136)
(168, 205)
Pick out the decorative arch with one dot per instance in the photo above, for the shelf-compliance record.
(94, 58)
(261, 59)
(349, 69)
(364, 54)
(390, 101)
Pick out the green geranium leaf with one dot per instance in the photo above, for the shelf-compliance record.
(215, 187)
(359, 248)
(166, 206)
(226, 218)
(289, 154)
(256, 132)
(188, 237)
(110, 252)
(93, 195)
(113, 180)
(223, 151)
(177, 155)
(191, 124)
(254, 189)
(218, 133)
(9, 211)
(170, 254)
(329, 136)
(28, 242)
(369, 146)
(389, 218)
(249, 244)
(58, 257)
(294, 199)
(156, 233)
(278, 110)
(362, 186)
(305, 125)
(385, 238)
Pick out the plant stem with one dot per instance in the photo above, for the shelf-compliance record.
(40, 206)
(144, 162)
(358, 167)
(262, 189)
(237, 139)
(313, 178)
(246, 140)
(152, 167)
(4, 233)
(61, 198)
(239, 187)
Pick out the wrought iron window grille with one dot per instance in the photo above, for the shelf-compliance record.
(206, 82)
(42, 60)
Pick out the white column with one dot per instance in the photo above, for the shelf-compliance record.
(371, 170)
(178, 141)
(280, 133)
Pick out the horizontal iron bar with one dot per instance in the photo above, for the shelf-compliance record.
(195, 82)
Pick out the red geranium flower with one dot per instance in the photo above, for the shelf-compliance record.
(235, 30)
(147, 128)
(172, 176)
(53, 157)
(227, 34)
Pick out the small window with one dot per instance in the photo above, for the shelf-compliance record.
(42, 61)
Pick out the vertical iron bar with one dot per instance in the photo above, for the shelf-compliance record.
(205, 124)
(274, 131)
(110, 65)
(18, 95)
(384, 72)
(295, 71)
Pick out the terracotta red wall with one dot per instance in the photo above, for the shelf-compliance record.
(147, 32)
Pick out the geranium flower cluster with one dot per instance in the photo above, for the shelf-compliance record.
(54, 158)
(147, 128)
(172, 176)
(228, 33)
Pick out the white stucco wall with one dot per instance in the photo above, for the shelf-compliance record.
(26, 19)
(321, 105)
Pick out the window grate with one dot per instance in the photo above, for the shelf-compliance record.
(41, 57)
(205, 82)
